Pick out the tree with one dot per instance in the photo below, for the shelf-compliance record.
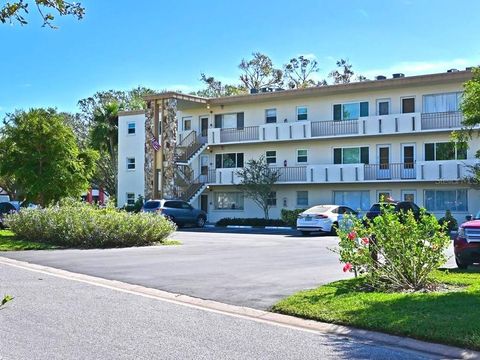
(259, 72)
(16, 11)
(344, 73)
(256, 181)
(215, 88)
(298, 72)
(39, 150)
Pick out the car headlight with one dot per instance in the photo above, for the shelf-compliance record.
(461, 232)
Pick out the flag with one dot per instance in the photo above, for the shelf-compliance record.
(155, 144)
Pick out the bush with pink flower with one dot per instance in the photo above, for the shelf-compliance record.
(395, 251)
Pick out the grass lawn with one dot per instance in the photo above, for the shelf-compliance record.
(8, 242)
(451, 318)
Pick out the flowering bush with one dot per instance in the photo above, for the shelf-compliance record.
(395, 251)
(76, 224)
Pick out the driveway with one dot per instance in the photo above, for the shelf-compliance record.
(240, 267)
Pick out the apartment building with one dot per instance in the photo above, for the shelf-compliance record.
(342, 144)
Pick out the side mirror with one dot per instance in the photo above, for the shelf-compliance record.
(469, 217)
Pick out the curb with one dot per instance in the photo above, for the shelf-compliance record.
(254, 314)
(258, 227)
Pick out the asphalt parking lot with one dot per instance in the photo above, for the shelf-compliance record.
(253, 268)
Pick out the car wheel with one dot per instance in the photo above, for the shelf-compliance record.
(333, 229)
(200, 222)
(461, 265)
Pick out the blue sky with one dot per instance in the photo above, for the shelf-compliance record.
(166, 45)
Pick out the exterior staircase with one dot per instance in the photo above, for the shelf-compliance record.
(196, 187)
(190, 147)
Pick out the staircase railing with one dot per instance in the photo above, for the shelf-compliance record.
(197, 184)
(189, 146)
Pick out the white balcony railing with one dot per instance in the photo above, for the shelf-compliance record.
(371, 125)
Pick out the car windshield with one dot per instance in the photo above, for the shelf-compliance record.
(375, 207)
(318, 209)
(151, 204)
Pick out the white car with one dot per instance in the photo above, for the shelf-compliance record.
(323, 218)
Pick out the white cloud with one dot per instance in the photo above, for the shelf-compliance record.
(410, 68)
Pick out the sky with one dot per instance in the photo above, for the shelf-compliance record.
(167, 44)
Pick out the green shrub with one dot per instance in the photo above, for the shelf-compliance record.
(395, 251)
(289, 217)
(450, 221)
(77, 224)
(250, 222)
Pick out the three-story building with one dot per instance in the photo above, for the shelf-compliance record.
(343, 144)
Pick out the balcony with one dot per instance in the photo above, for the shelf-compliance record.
(391, 171)
(371, 125)
(442, 120)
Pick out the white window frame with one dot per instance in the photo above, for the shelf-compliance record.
(387, 100)
(409, 192)
(133, 195)
(297, 114)
(134, 128)
(437, 94)
(273, 198)
(443, 210)
(296, 201)
(128, 162)
(267, 157)
(184, 120)
(266, 115)
(296, 157)
(389, 192)
(359, 147)
(408, 97)
(435, 151)
(215, 201)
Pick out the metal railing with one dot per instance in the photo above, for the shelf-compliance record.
(247, 133)
(189, 139)
(291, 173)
(197, 184)
(391, 171)
(441, 120)
(329, 128)
(189, 146)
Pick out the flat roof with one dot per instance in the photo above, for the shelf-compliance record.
(187, 101)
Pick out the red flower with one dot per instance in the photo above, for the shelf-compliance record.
(365, 241)
(347, 267)
(352, 235)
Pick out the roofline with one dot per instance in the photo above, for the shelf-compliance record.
(428, 79)
(131, 112)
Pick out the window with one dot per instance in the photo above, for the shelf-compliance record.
(272, 199)
(229, 121)
(130, 198)
(408, 105)
(271, 116)
(228, 200)
(444, 151)
(187, 124)
(383, 107)
(302, 156)
(130, 163)
(383, 195)
(409, 195)
(302, 198)
(131, 128)
(302, 113)
(231, 160)
(357, 200)
(271, 157)
(350, 111)
(356, 155)
(442, 102)
(442, 200)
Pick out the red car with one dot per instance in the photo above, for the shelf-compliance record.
(466, 245)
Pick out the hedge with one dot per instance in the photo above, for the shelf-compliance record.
(77, 224)
(290, 216)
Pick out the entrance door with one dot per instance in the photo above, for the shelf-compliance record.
(204, 203)
(408, 105)
(383, 156)
(408, 161)
(204, 160)
(203, 128)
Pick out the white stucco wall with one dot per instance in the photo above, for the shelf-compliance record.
(131, 146)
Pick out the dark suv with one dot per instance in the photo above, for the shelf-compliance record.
(180, 212)
(398, 206)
